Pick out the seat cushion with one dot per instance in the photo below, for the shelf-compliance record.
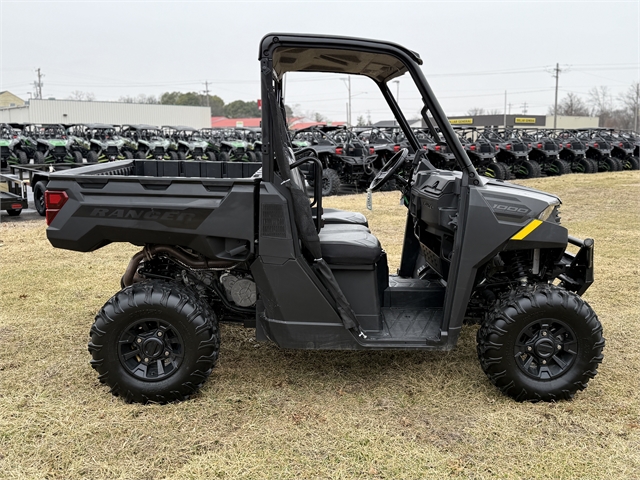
(351, 246)
(344, 227)
(332, 215)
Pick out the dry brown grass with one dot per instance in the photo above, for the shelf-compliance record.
(269, 413)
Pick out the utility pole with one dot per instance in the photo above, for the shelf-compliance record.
(505, 109)
(206, 92)
(635, 119)
(555, 106)
(524, 108)
(38, 84)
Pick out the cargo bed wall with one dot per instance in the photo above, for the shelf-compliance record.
(109, 203)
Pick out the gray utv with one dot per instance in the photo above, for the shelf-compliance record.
(258, 251)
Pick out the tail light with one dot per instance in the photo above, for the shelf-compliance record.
(620, 143)
(396, 148)
(472, 147)
(595, 145)
(339, 150)
(15, 136)
(372, 150)
(424, 147)
(438, 148)
(539, 145)
(16, 206)
(568, 145)
(528, 145)
(54, 200)
(508, 146)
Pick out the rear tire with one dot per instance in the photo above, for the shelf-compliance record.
(223, 157)
(154, 341)
(181, 155)
(583, 165)
(330, 182)
(22, 157)
(540, 343)
(140, 155)
(251, 157)
(528, 169)
(173, 155)
(211, 156)
(77, 156)
(632, 163)
(127, 154)
(506, 171)
(608, 165)
(38, 197)
(558, 167)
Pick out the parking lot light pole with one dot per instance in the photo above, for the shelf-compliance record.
(347, 82)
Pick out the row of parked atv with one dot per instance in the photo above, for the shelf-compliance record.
(93, 143)
(349, 156)
(354, 156)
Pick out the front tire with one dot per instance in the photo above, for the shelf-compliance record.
(540, 344)
(154, 341)
(92, 156)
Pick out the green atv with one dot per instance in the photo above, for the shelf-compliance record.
(147, 142)
(241, 145)
(105, 145)
(187, 142)
(16, 145)
(53, 145)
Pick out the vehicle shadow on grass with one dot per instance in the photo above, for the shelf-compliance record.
(357, 371)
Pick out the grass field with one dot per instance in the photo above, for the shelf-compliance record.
(270, 413)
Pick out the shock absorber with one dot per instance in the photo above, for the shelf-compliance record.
(517, 266)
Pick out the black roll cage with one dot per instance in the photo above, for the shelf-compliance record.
(411, 63)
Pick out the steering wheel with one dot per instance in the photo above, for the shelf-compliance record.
(389, 169)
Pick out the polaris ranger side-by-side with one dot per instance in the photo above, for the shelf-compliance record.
(258, 251)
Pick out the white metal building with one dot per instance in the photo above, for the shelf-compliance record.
(73, 112)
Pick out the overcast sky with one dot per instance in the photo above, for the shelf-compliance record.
(473, 51)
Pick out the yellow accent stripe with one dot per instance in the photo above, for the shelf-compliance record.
(531, 226)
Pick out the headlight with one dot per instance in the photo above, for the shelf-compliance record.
(546, 213)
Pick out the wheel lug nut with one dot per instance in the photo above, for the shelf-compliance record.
(544, 362)
(166, 354)
(559, 347)
(159, 334)
(544, 334)
(146, 360)
(139, 340)
(529, 348)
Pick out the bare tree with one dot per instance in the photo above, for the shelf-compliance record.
(475, 111)
(571, 105)
(630, 101)
(82, 96)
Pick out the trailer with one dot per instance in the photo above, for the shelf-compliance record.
(13, 195)
(37, 176)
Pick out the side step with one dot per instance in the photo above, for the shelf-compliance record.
(408, 328)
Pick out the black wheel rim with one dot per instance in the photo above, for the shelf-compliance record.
(151, 349)
(545, 349)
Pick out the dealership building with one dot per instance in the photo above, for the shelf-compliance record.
(525, 121)
(42, 112)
